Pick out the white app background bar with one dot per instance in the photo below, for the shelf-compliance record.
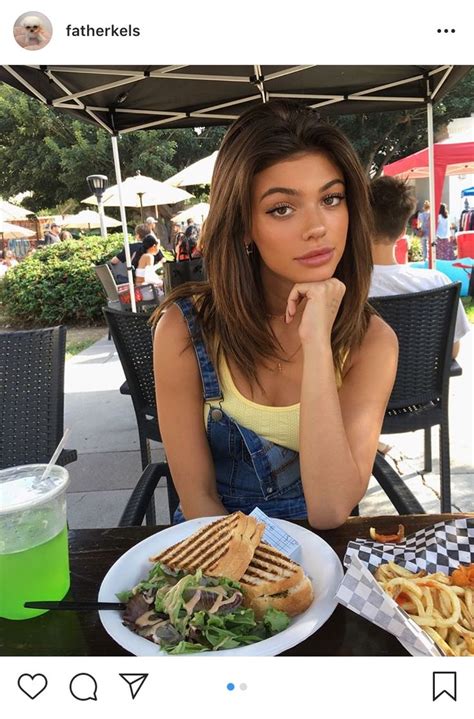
(281, 688)
(248, 31)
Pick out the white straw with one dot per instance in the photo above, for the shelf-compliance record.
(56, 454)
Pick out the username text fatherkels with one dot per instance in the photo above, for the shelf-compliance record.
(103, 31)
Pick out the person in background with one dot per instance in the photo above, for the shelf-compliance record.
(65, 235)
(9, 258)
(424, 228)
(275, 369)
(444, 244)
(145, 272)
(392, 203)
(51, 236)
(150, 222)
(3, 265)
(141, 231)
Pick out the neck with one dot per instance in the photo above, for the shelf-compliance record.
(383, 253)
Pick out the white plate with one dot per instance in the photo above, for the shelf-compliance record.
(317, 558)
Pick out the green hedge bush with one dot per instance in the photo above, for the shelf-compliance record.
(57, 284)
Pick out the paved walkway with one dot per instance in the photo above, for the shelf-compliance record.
(103, 430)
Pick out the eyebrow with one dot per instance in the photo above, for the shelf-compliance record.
(293, 192)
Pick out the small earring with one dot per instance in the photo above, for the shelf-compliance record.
(249, 248)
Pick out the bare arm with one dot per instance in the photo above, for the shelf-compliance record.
(339, 431)
(181, 415)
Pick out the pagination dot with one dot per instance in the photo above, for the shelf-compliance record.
(243, 687)
(231, 687)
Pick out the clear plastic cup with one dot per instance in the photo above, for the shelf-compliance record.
(34, 559)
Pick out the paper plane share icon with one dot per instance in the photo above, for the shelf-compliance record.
(135, 682)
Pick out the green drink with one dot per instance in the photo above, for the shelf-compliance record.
(34, 562)
(40, 573)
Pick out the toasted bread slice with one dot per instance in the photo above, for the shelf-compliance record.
(223, 548)
(292, 601)
(270, 572)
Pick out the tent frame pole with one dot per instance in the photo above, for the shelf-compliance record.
(123, 217)
(431, 169)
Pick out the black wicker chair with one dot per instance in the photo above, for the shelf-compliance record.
(142, 496)
(32, 397)
(424, 323)
(132, 335)
(176, 273)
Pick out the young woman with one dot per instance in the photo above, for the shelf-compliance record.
(272, 378)
(444, 245)
(144, 261)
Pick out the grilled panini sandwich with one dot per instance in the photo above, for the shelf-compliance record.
(274, 580)
(223, 548)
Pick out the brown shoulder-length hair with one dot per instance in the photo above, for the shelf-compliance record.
(230, 306)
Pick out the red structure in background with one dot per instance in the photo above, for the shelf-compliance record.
(401, 250)
(450, 158)
(465, 242)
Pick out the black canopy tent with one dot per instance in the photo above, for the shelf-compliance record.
(127, 98)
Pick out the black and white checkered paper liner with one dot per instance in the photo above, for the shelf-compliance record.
(440, 548)
(360, 592)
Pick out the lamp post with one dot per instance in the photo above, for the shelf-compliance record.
(98, 185)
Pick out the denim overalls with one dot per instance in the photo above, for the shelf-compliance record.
(250, 471)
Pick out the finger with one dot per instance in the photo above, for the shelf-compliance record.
(294, 298)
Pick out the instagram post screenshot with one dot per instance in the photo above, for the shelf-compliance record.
(236, 357)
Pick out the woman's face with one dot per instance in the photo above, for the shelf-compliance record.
(300, 218)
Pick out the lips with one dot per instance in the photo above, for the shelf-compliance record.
(316, 257)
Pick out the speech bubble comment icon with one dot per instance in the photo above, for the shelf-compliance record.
(83, 687)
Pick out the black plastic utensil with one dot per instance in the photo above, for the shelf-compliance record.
(75, 606)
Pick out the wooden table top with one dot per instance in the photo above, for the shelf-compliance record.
(94, 551)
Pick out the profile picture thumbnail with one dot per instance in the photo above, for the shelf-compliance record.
(32, 30)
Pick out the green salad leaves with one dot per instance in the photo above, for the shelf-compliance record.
(188, 613)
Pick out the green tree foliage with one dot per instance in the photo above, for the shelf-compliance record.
(383, 137)
(51, 153)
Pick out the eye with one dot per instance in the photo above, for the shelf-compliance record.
(280, 211)
(334, 199)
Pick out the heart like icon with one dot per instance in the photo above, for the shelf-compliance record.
(32, 686)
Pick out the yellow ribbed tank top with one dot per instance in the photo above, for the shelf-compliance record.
(280, 425)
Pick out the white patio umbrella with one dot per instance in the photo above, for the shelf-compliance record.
(8, 211)
(199, 173)
(197, 212)
(141, 191)
(11, 232)
(87, 219)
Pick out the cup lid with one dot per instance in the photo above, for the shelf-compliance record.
(22, 487)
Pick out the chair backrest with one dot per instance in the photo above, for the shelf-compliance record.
(31, 395)
(132, 335)
(107, 281)
(177, 273)
(424, 323)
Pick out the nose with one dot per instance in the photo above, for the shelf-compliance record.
(314, 227)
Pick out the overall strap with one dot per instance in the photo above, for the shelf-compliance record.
(210, 381)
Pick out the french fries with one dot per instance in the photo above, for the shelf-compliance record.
(443, 606)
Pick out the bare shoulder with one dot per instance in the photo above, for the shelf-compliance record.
(380, 335)
(172, 328)
(173, 352)
(379, 345)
